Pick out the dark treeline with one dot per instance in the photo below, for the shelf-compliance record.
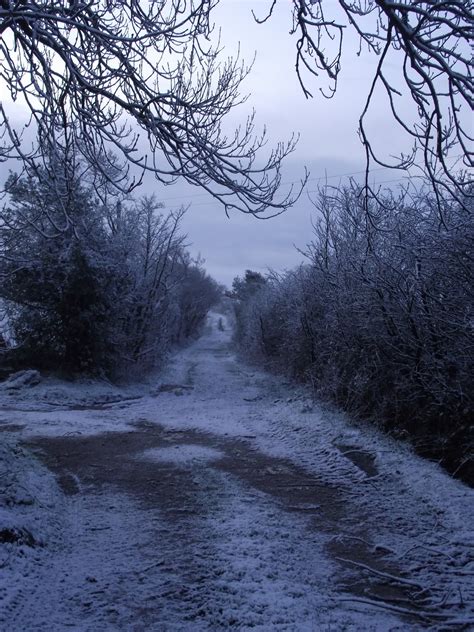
(90, 285)
(379, 320)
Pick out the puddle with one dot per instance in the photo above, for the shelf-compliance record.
(363, 459)
(97, 405)
(177, 389)
(186, 454)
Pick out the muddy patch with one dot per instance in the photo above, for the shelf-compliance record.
(19, 536)
(363, 459)
(187, 454)
(11, 427)
(95, 405)
(177, 389)
(117, 460)
(121, 462)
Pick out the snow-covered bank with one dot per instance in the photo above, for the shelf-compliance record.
(31, 522)
(223, 497)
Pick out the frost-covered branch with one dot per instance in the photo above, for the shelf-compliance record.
(145, 80)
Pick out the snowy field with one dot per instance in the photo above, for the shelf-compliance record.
(217, 497)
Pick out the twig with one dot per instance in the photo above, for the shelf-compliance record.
(99, 528)
(148, 568)
(344, 536)
(380, 604)
(400, 580)
(427, 548)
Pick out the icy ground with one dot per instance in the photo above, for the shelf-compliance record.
(220, 497)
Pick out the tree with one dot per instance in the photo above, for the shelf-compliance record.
(110, 75)
(427, 42)
(145, 310)
(380, 318)
(89, 287)
(196, 293)
(113, 74)
(54, 276)
(249, 285)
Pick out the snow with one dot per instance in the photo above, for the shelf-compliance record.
(183, 454)
(250, 496)
(21, 379)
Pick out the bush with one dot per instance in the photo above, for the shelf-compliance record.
(94, 287)
(380, 318)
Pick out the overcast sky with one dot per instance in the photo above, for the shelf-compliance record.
(329, 145)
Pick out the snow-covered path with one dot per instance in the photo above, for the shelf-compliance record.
(221, 498)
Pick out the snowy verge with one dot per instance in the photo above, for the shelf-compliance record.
(31, 515)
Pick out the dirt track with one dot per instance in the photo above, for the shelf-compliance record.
(167, 525)
(183, 496)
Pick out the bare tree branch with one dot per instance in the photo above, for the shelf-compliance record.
(430, 42)
(140, 79)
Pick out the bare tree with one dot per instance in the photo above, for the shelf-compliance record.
(380, 318)
(119, 75)
(428, 41)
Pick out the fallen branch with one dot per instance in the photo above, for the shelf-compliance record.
(346, 536)
(399, 580)
(422, 614)
(151, 566)
(427, 548)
